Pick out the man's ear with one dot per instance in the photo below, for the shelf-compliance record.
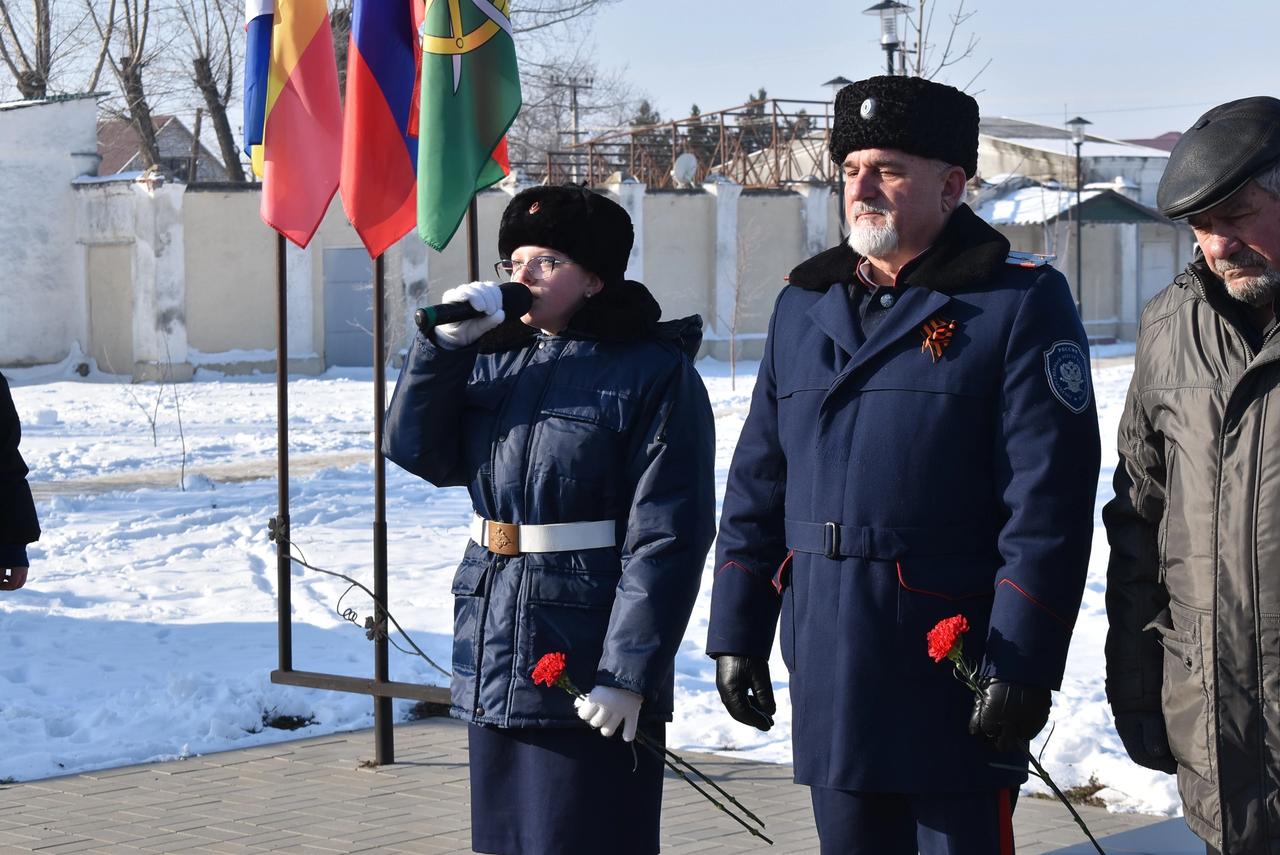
(953, 183)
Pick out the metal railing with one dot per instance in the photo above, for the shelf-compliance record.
(762, 144)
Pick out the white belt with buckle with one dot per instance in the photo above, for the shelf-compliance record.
(512, 539)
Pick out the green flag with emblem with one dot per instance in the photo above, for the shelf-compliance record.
(470, 97)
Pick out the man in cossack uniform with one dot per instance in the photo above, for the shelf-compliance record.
(922, 442)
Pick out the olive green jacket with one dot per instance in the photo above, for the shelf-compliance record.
(1193, 585)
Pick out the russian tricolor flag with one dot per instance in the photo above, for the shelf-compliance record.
(258, 16)
(379, 133)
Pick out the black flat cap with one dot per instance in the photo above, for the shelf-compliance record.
(909, 114)
(1221, 152)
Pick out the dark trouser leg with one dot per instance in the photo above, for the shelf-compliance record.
(965, 823)
(1209, 850)
(853, 823)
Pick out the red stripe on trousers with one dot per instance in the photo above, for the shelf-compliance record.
(1004, 809)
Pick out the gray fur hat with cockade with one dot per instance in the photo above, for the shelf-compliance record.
(909, 114)
(590, 228)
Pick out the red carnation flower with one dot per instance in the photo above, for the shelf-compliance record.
(549, 669)
(946, 640)
(550, 672)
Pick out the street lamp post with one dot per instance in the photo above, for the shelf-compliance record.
(1077, 126)
(888, 12)
(835, 84)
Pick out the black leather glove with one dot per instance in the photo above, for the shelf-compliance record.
(1146, 740)
(745, 689)
(1010, 713)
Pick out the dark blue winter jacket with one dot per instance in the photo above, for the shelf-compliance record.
(878, 488)
(607, 421)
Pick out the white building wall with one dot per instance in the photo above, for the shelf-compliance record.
(1145, 172)
(159, 284)
(43, 147)
(680, 262)
(197, 268)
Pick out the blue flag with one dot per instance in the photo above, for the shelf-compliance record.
(259, 15)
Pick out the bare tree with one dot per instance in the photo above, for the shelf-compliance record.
(748, 287)
(340, 26)
(28, 55)
(40, 41)
(930, 59)
(127, 27)
(214, 50)
(534, 15)
(543, 29)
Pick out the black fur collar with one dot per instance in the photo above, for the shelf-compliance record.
(967, 253)
(622, 311)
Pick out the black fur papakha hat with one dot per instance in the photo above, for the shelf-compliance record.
(909, 114)
(1219, 154)
(591, 229)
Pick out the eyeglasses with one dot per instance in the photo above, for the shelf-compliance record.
(539, 267)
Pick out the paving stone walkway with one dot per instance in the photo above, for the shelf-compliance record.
(321, 795)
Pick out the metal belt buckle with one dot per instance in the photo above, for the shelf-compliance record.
(832, 538)
(504, 538)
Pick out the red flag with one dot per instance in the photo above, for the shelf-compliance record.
(302, 139)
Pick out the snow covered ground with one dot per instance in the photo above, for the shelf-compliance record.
(147, 628)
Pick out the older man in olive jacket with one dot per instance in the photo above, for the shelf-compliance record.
(1193, 588)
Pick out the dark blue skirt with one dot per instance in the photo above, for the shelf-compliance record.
(545, 791)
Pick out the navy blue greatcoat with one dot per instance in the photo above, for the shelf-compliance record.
(875, 491)
(607, 421)
(18, 523)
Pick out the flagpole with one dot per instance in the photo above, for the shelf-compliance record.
(473, 245)
(280, 529)
(384, 744)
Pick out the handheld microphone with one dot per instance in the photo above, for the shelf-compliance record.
(516, 301)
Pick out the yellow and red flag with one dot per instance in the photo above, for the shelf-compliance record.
(302, 136)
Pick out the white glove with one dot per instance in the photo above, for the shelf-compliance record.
(606, 707)
(484, 297)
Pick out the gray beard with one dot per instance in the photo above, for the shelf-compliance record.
(1260, 290)
(874, 241)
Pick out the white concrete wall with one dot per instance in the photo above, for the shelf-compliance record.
(772, 239)
(1112, 266)
(148, 220)
(201, 270)
(43, 147)
(679, 251)
(231, 283)
(159, 283)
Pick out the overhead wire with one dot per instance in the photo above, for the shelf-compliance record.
(372, 630)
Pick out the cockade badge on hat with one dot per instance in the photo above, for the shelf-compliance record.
(533, 209)
(937, 336)
(868, 109)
